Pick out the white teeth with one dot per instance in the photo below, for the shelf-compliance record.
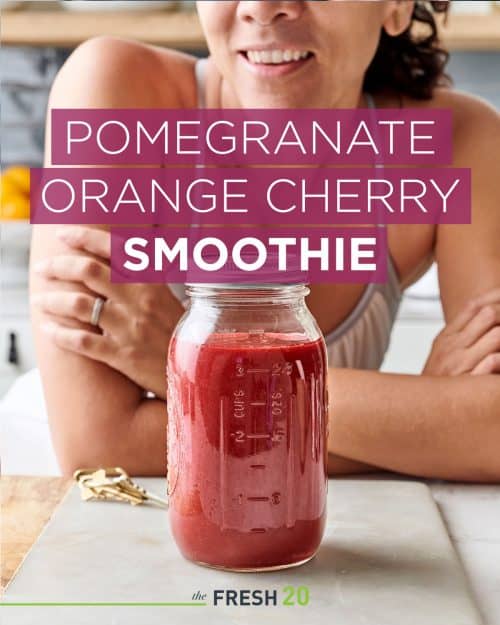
(276, 57)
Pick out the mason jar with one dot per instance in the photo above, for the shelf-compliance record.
(247, 428)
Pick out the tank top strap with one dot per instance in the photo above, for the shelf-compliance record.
(372, 107)
(392, 287)
(370, 101)
(200, 71)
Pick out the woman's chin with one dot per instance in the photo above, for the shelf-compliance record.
(275, 100)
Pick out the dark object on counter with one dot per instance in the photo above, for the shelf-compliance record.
(13, 356)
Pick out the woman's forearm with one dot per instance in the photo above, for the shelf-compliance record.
(439, 427)
(145, 450)
(337, 465)
(426, 426)
(135, 441)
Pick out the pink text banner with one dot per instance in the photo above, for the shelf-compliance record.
(249, 255)
(236, 196)
(270, 137)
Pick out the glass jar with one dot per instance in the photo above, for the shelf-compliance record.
(247, 428)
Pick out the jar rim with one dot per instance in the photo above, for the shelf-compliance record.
(245, 285)
(248, 291)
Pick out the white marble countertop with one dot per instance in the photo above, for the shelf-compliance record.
(472, 516)
(385, 559)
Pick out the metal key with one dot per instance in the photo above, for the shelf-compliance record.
(113, 484)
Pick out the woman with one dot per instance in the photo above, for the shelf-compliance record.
(97, 363)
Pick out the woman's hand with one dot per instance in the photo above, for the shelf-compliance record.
(471, 342)
(135, 323)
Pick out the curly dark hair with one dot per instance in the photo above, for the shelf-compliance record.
(412, 63)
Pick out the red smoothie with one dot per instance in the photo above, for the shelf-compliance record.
(247, 449)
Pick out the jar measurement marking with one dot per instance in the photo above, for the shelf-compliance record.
(240, 421)
(290, 465)
(259, 436)
(222, 455)
(239, 436)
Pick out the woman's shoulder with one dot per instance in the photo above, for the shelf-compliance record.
(476, 123)
(113, 72)
(463, 105)
(467, 109)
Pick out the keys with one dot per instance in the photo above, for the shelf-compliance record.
(113, 484)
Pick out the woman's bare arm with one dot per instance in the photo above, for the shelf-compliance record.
(447, 425)
(436, 427)
(97, 415)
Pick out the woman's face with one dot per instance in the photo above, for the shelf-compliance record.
(294, 54)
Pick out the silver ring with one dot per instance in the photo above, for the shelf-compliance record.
(96, 311)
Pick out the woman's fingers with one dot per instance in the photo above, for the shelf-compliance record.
(487, 318)
(97, 242)
(468, 314)
(486, 346)
(488, 366)
(65, 304)
(94, 274)
(90, 271)
(89, 344)
(79, 306)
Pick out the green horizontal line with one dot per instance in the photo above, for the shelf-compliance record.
(129, 604)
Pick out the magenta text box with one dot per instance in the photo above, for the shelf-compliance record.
(236, 196)
(249, 255)
(251, 136)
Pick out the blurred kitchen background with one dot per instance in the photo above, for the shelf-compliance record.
(36, 39)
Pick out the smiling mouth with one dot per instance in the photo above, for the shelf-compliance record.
(276, 56)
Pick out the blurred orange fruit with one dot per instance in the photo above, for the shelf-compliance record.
(15, 193)
(20, 176)
(15, 207)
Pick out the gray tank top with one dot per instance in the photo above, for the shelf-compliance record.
(362, 339)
